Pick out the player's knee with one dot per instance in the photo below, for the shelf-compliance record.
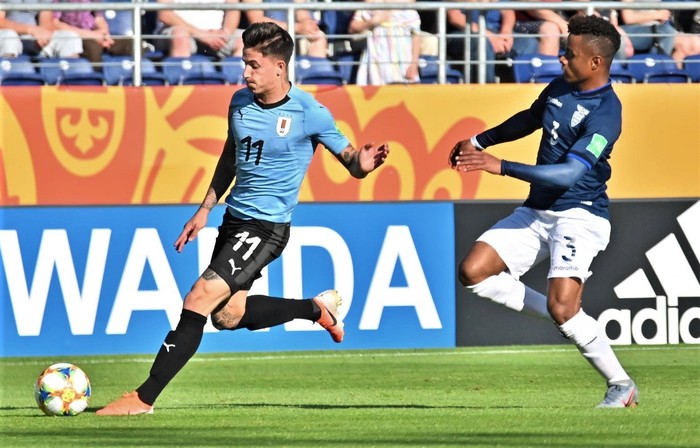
(471, 272)
(561, 311)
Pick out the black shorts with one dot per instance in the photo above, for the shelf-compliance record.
(244, 247)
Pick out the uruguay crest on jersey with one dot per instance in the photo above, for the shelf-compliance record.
(284, 123)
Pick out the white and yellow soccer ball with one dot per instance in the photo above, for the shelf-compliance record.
(62, 389)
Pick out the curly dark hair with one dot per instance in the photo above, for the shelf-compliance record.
(269, 39)
(600, 34)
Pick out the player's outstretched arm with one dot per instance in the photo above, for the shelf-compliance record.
(221, 180)
(516, 127)
(559, 175)
(362, 161)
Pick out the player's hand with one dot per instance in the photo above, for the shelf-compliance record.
(473, 160)
(460, 147)
(192, 228)
(372, 157)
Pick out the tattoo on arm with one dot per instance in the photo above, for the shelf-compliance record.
(350, 158)
(210, 199)
(348, 155)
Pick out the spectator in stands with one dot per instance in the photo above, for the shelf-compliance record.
(92, 27)
(626, 48)
(549, 26)
(213, 32)
(652, 30)
(32, 33)
(687, 20)
(313, 43)
(499, 32)
(393, 45)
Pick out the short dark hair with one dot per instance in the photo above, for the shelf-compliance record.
(269, 39)
(602, 34)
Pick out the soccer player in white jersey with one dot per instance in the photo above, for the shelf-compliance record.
(273, 130)
(565, 216)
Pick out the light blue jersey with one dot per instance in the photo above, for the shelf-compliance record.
(274, 146)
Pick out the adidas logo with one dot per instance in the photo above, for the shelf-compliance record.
(677, 279)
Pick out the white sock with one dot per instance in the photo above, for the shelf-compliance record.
(504, 289)
(585, 332)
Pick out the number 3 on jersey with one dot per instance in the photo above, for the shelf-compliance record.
(248, 142)
(555, 135)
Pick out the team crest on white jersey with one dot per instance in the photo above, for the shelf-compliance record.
(284, 123)
(579, 115)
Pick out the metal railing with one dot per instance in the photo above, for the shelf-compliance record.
(138, 7)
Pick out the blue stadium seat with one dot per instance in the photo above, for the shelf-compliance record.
(315, 70)
(618, 73)
(539, 68)
(346, 65)
(119, 70)
(654, 68)
(19, 71)
(195, 69)
(428, 70)
(691, 64)
(232, 68)
(69, 71)
(121, 23)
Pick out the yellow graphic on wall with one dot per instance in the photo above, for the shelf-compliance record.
(159, 145)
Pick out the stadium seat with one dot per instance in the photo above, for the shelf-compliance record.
(119, 70)
(70, 71)
(654, 68)
(428, 70)
(196, 69)
(618, 73)
(232, 68)
(316, 70)
(120, 23)
(691, 65)
(346, 65)
(536, 68)
(19, 71)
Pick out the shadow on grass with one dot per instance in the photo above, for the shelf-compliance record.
(334, 406)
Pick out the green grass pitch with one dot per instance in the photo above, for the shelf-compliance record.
(532, 396)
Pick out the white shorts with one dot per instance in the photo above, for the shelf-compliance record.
(571, 239)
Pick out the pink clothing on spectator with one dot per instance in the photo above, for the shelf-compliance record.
(84, 19)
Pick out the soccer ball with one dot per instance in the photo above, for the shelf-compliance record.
(62, 389)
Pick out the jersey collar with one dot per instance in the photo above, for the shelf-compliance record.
(594, 92)
(273, 105)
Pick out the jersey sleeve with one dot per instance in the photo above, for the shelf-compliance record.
(321, 126)
(600, 132)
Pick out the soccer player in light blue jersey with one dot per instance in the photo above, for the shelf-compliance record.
(274, 129)
(565, 216)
